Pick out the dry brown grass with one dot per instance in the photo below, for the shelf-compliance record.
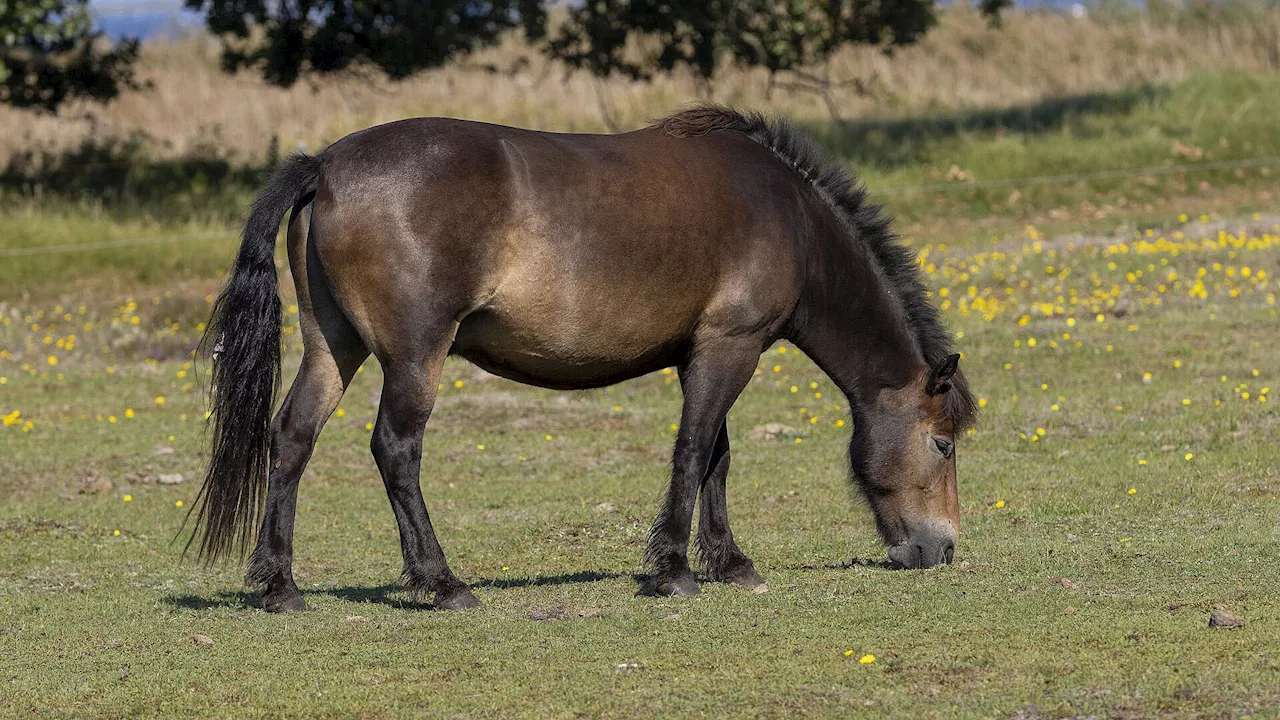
(192, 106)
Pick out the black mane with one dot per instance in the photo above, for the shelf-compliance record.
(849, 199)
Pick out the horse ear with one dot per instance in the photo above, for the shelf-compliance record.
(940, 377)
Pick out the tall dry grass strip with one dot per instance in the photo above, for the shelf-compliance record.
(192, 108)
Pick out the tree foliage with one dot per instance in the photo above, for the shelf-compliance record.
(289, 38)
(49, 53)
(637, 38)
(774, 34)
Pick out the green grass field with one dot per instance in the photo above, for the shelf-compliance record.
(1154, 497)
(1123, 480)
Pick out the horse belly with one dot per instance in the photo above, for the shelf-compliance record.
(563, 351)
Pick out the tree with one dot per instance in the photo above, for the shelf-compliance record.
(399, 37)
(778, 35)
(49, 53)
(637, 38)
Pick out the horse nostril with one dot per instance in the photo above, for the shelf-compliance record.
(949, 553)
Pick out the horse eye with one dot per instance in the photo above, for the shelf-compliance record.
(944, 447)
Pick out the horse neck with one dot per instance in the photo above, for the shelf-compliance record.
(851, 322)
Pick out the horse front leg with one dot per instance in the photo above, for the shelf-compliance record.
(721, 559)
(408, 396)
(711, 380)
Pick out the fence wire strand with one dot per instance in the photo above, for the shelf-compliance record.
(105, 244)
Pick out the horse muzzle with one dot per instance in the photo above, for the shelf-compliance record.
(930, 546)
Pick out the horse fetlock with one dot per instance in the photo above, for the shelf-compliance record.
(723, 562)
(450, 592)
(268, 571)
(715, 553)
(279, 592)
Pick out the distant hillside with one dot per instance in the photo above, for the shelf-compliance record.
(145, 18)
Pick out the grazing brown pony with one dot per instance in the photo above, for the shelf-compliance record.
(576, 261)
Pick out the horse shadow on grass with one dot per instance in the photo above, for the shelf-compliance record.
(851, 563)
(391, 595)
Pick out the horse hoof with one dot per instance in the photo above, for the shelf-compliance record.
(746, 577)
(458, 600)
(680, 587)
(292, 602)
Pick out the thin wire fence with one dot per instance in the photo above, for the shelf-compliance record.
(106, 244)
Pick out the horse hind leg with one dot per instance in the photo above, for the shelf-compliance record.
(332, 352)
(720, 557)
(311, 400)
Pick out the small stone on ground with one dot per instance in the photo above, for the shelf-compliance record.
(1221, 617)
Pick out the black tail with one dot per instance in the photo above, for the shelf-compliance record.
(244, 337)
